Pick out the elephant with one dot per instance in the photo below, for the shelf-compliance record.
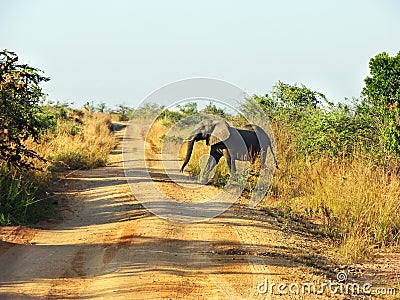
(233, 143)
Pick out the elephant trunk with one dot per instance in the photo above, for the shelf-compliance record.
(190, 145)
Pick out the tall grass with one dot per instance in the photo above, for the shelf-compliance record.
(22, 195)
(78, 145)
(15, 193)
(76, 142)
(356, 201)
(360, 204)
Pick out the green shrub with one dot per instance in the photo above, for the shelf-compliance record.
(21, 113)
(212, 109)
(169, 117)
(337, 132)
(382, 93)
(20, 198)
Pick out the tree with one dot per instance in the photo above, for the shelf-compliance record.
(382, 92)
(212, 109)
(296, 97)
(89, 106)
(21, 113)
(289, 103)
(101, 107)
(188, 109)
(124, 112)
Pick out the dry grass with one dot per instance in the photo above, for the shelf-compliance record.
(76, 142)
(78, 146)
(155, 135)
(356, 202)
(360, 203)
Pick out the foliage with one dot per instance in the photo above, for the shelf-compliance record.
(37, 138)
(15, 196)
(147, 111)
(212, 109)
(316, 126)
(92, 107)
(21, 114)
(296, 97)
(170, 117)
(78, 140)
(22, 197)
(289, 101)
(325, 168)
(124, 112)
(188, 109)
(79, 143)
(89, 106)
(339, 131)
(101, 107)
(382, 92)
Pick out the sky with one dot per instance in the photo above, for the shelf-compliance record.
(118, 52)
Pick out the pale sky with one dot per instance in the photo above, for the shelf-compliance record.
(120, 51)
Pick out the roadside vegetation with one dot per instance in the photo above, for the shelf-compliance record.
(38, 139)
(339, 163)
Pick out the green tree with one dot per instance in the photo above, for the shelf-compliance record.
(382, 92)
(212, 109)
(188, 109)
(21, 112)
(124, 112)
(340, 130)
(296, 97)
(145, 111)
(89, 106)
(101, 107)
(289, 102)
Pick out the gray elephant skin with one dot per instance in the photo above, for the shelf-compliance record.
(232, 143)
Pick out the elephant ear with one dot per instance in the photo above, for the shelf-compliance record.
(202, 126)
(219, 133)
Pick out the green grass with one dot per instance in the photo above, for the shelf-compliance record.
(22, 198)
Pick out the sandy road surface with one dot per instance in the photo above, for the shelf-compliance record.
(109, 246)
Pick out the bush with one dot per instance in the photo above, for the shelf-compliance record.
(326, 172)
(21, 115)
(82, 145)
(212, 109)
(337, 132)
(169, 117)
(147, 111)
(382, 93)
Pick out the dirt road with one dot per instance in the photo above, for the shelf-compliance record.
(110, 246)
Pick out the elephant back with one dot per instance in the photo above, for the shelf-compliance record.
(263, 138)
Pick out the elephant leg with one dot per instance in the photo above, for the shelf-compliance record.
(274, 156)
(263, 159)
(229, 161)
(212, 161)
